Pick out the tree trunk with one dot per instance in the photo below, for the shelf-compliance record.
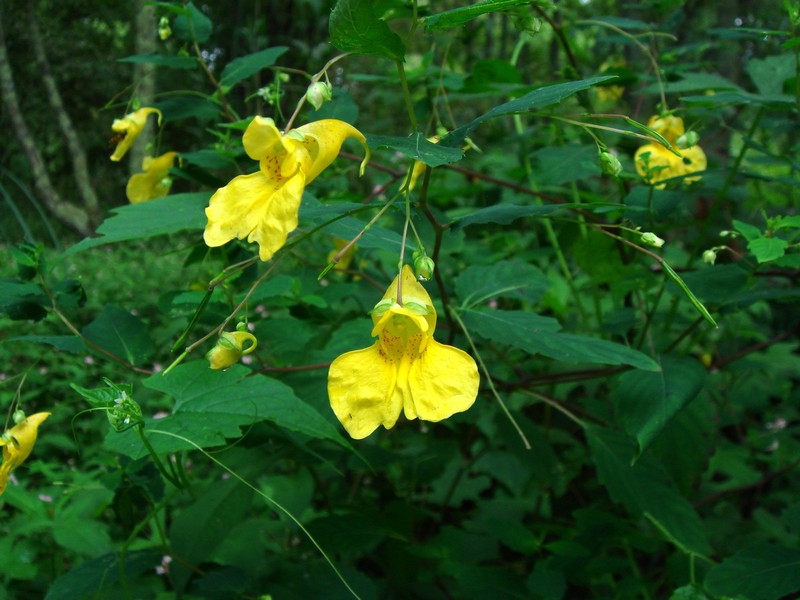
(71, 215)
(144, 78)
(74, 146)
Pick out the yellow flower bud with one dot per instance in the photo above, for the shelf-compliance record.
(230, 348)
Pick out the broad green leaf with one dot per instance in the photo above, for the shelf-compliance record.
(184, 106)
(192, 25)
(162, 60)
(76, 528)
(208, 159)
(245, 66)
(88, 579)
(539, 335)
(199, 529)
(644, 490)
(538, 98)
(558, 165)
(120, 333)
(458, 16)
(750, 232)
(688, 592)
(147, 219)
(694, 82)
(354, 27)
(417, 147)
(513, 278)
(22, 301)
(759, 572)
(647, 402)
(67, 343)
(766, 249)
(770, 73)
(736, 98)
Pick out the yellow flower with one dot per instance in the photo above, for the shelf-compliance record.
(655, 163)
(405, 370)
(263, 206)
(17, 444)
(154, 182)
(230, 348)
(128, 128)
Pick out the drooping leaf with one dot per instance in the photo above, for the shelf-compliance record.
(243, 67)
(538, 98)
(456, 17)
(644, 490)
(759, 572)
(147, 219)
(647, 401)
(22, 301)
(539, 335)
(119, 332)
(192, 25)
(513, 278)
(354, 27)
(417, 147)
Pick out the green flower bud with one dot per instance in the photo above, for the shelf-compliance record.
(687, 140)
(164, 30)
(610, 164)
(423, 265)
(318, 93)
(18, 417)
(710, 256)
(651, 239)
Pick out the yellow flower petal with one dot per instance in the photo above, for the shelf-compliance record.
(256, 208)
(153, 182)
(17, 445)
(262, 138)
(444, 381)
(670, 126)
(362, 391)
(323, 140)
(129, 127)
(656, 164)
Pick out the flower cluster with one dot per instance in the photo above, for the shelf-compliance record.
(404, 370)
(656, 163)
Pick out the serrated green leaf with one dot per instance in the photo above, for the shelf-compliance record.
(147, 219)
(245, 66)
(645, 491)
(120, 333)
(539, 335)
(417, 147)
(538, 98)
(750, 232)
(769, 73)
(759, 572)
(354, 27)
(162, 60)
(456, 17)
(766, 249)
(647, 402)
(229, 399)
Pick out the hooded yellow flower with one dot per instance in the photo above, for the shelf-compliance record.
(17, 444)
(154, 182)
(128, 128)
(263, 206)
(405, 370)
(655, 163)
(230, 348)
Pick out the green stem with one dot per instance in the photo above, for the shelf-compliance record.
(156, 460)
(401, 71)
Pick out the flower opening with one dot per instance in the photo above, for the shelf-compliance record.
(154, 182)
(405, 370)
(17, 445)
(128, 128)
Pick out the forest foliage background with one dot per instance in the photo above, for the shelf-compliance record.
(626, 286)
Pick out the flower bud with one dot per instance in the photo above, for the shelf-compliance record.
(230, 348)
(164, 30)
(423, 265)
(651, 239)
(710, 256)
(610, 164)
(318, 93)
(687, 140)
(18, 417)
